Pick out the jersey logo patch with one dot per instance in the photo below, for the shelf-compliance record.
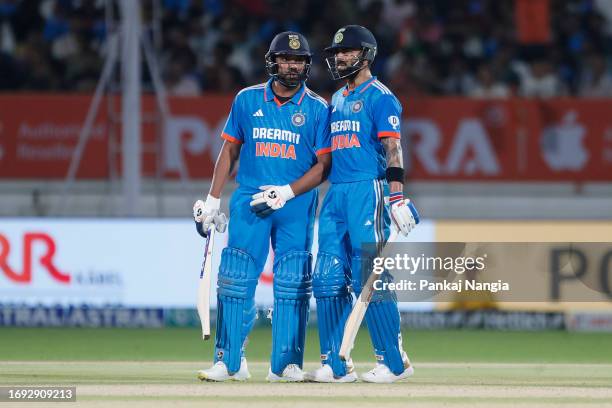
(298, 119)
(357, 106)
(258, 113)
(394, 121)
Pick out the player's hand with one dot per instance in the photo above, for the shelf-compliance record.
(270, 199)
(403, 213)
(206, 214)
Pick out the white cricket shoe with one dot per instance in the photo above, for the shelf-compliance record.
(291, 373)
(382, 375)
(325, 374)
(219, 373)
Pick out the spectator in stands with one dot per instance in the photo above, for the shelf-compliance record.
(222, 77)
(487, 87)
(538, 80)
(459, 80)
(596, 81)
(179, 81)
(50, 45)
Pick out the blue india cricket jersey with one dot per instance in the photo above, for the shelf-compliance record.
(280, 142)
(359, 119)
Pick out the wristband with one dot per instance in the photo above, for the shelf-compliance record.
(395, 174)
(395, 197)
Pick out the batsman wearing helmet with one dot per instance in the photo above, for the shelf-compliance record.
(366, 193)
(280, 130)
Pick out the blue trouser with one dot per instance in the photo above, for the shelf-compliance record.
(290, 230)
(353, 214)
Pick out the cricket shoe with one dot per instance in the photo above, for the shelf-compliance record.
(382, 375)
(325, 374)
(291, 373)
(219, 373)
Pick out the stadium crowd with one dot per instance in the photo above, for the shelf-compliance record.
(426, 47)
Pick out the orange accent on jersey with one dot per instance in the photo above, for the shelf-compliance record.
(270, 149)
(345, 142)
(366, 87)
(278, 103)
(302, 97)
(395, 135)
(230, 139)
(324, 150)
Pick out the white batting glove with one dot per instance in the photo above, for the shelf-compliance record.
(403, 213)
(270, 199)
(207, 213)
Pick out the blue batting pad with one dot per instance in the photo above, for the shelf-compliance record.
(333, 308)
(235, 306)
(292, 290)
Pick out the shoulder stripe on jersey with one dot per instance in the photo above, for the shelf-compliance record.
(316, 97)
(383, 86)
(230, 138)
(250, 88)
(381, 89)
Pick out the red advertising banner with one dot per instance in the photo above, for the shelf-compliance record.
(444, 138)
(38, 135)
(512, 140)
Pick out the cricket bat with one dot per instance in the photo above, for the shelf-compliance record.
(359, 310)
(204, 285)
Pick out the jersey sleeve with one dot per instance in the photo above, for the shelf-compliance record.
(322, 132)
(387, 114)
(232, 131)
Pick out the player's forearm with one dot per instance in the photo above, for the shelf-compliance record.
(313, 177)
(225, 163)
(393, 150)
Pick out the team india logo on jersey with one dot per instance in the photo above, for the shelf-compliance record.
(357, 105)
(298, 119)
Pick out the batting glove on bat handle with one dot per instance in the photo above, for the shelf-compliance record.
(403, 213)
(206, 214)
(270, 199)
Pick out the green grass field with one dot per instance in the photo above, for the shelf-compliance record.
(124, 367)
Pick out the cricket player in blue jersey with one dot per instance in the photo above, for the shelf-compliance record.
(280, 130)
(366, 193)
